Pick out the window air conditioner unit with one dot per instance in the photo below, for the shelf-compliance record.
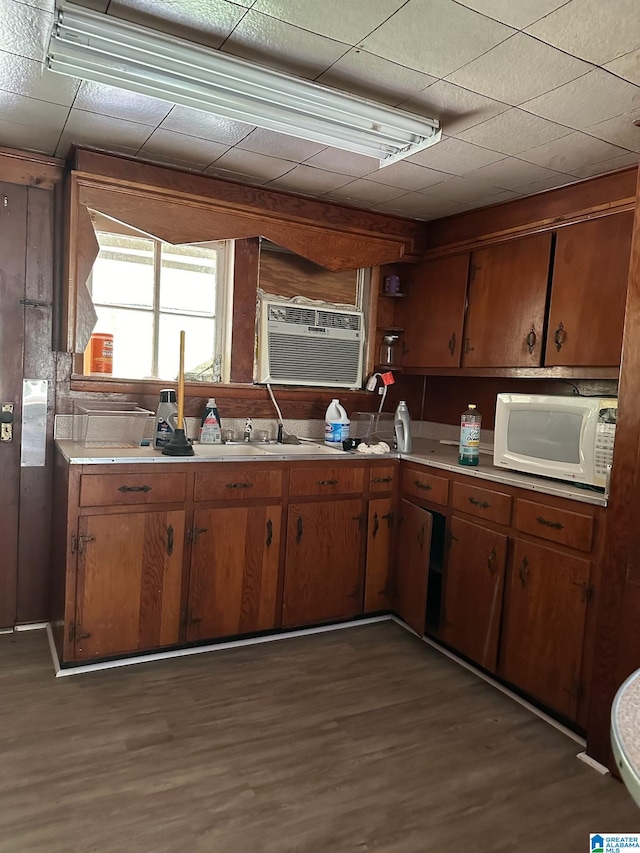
(307, 344)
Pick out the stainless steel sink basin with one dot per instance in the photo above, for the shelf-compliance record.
(304, 449)
(228, 451)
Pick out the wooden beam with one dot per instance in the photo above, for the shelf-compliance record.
(28, 169)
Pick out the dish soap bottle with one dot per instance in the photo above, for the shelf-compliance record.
(402, 427)
(166, 419)
(336, 425)
(470, 422)
(210, 432)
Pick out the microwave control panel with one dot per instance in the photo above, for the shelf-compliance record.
(605, 436)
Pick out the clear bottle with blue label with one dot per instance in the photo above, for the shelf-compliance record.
(470, 423)
(336, 425)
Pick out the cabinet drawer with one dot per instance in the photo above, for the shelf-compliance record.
(226, 482)
(382, 479)
(573, 529)
(425, 486)
(327, 481)
(122, 489)
(494, 506)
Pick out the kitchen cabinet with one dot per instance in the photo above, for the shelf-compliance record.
(378, 581)
(588, 294)
(473, 591)
(507, 297)
(128, 583)
(411, 564)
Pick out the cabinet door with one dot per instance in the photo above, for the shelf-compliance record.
(411, 565)
(234, 571)
(588, 293)
(377, 589)
(432, 315)
(322, 565)
(546, 605)
(507, 296)
(128, 582)
(474, 585)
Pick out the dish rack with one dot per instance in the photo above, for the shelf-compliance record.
(109, 424)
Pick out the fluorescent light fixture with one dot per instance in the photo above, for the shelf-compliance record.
(98, 47)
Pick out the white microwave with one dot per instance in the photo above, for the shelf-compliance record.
(567, 438)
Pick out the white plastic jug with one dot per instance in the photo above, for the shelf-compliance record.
(336, 424)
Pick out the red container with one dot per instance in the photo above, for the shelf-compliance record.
(98, 356)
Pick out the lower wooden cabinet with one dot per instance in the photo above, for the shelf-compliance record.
(378, 580)
(473, 591)
(233, 579)
(411, 565)
(128, 583)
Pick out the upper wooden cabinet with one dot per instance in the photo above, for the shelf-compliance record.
(507, 296)
(588, 294)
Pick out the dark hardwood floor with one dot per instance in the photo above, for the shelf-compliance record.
(356, 740)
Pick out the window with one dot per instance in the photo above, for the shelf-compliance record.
(146, 291)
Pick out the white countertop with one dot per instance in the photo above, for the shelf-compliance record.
(425, 452)
(625, 733)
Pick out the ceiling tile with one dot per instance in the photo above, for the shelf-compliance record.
(168, 159)
(597, 95)
(455, 157)
(276, 44)
(621, 162)
(457, 108)
(620, 130)
(511, 173)
(571, 152)
(279, 145)
(258, 167)
(85, 128)
(106, 100)
(343, 162)
(24, 30)
(362, 190)
(592, 29)
(362, 73)
(347, 22)
(505, 73)
(513, 131)
(552, 183)
(407, 176)
(519, 14)
(419, 206)
(207, 23)
(490, 200)
(435, 36)
(28, 137)
(206, 125)
(236, 177)
(463, 190)
(306, 179)
(200, 152)
(29, 111)
(26, 77)
(627, 66)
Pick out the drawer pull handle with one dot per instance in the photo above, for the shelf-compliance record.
(269, 532)
(491, 562)
(557, 525)
(195, 533)
(376, 525)
(421, 537)
(452, 344)
(239, 485)
(326, 482)
(481, 504)
(531, 340)
(300, 529)
(425, 486)
(559, 336)
(524, 572)
(134, 489)
(170, 540)
(382, 479)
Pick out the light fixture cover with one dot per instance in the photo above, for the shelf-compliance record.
(97, 47)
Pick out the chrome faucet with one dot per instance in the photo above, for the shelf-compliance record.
(248, 429)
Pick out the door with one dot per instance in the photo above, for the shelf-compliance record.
(545, 613)
(507, 296)
(473, 591)
(128, 582)
(322, 579)
(411, 565)
(377, 587)
(588, 293)
(234, 571)
(432, 315)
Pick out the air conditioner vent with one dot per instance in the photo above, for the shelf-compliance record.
(336, 320)
(292, 314)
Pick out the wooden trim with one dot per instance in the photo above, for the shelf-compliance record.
(518, 372)
(245, 289)
(29, 169)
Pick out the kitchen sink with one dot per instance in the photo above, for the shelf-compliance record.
(304, 449)
(224, 451)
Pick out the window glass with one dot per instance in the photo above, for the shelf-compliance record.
(132, 340)
(123, 272)
(198, 347)
(188, 279)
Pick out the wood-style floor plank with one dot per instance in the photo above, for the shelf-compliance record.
(357, 740)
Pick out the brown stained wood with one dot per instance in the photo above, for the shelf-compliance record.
(289, 275)
(321, 480)
(86, 251)
(128, 588)
(565, 527)
(234, 571)
(507, 294)
(377, 590)
(322, 563)
(382, 478)
(432, 314)
(124, 488)
(237, 482)
(483, 503)
(474, 584)
(29, 169)
(544, 373)
(545, 615)
(588, 293)
(13, 241)
(419, 483)
(411, 564)
(245, 288)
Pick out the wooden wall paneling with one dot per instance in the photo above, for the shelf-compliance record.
(13, 236)
(28, 169)
(614, 660)
(286, 274)
(39, 363)
(245, 288)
